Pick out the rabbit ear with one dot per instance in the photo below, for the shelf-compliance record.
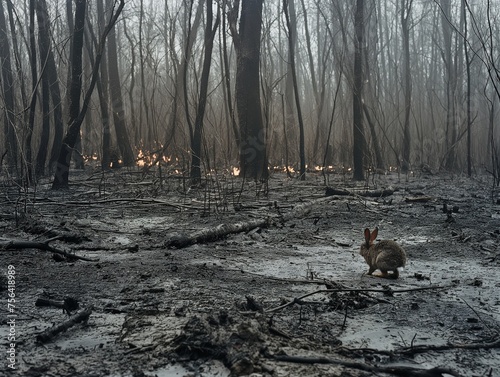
(374, 234)
(367, 235)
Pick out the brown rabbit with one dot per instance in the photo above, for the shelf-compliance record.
(385, 256)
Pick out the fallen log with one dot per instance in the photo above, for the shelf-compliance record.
(44, 246)
(52, 332)
(395, 370)
(178, 241)
(330, 191)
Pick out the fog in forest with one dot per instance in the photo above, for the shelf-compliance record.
(422, 94)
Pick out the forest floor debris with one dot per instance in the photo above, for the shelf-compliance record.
(244, 303)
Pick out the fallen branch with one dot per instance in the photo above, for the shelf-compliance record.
(213, 234)
(99, 203)
(397, 370)
(18, 245)
(363, 290)
(330, 191)
(425, 348)
(52, 332)
(179, 241)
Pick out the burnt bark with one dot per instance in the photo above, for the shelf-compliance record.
(357, 101)
(115, 90)
(61, 178)
(200, 113)
(10, 143)
(253, 154)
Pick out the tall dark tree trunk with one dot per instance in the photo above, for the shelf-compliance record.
(291, 30)
(49, 73)
(102, 86)
(117, 100)
(468, 62)
(227, 82)
(200, 113)
(357, 101)
(451, 85)
(253, 156)
(34, 84)
(44, 47)
(406, 6)
(61, 180)
(10, 142)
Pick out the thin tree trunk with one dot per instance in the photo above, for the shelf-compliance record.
(227, 80)
(468, 95)
(205, 75)
(357, 108)
(10, 145)
(102, 86)
(291, 30)
(62, 172)
(115, 90)
(49, 73)
(34, 86)
(44, 46)
(406, 6)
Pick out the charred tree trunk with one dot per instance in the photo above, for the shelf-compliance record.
(76, 117)
(451, 85)
(9, 118)
(253, 156)
(115, 90)
(200, 113)
(44, 47)
(405, 17)
(61, 178)
(357, 102)
(468, 62)
(49, 73)
(28, 176)
(291, 30)
(102, 86)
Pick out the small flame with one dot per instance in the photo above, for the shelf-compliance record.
(236, 171)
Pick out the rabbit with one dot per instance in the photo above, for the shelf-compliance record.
(385, 256)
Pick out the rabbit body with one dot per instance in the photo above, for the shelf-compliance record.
(385, 256)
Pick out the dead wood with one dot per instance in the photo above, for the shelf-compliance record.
(213, 234)
(99, 203)
(398, 371)
(330, 191)
(69, 304)
(387, 291)
(52, 332)
(220, 231)
(44, 246)
(419, 199)
(425, 348)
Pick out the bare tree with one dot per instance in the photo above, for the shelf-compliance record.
(406, 6)
(115, 93)
(451, 85)
(253, 156)
(357, 101)
(34, 85)
(11, 146)
(76, 116)
(291, 31)
(205, 74)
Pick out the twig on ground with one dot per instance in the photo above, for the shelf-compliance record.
(391, 291)
(50, 333)
(396, 370)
